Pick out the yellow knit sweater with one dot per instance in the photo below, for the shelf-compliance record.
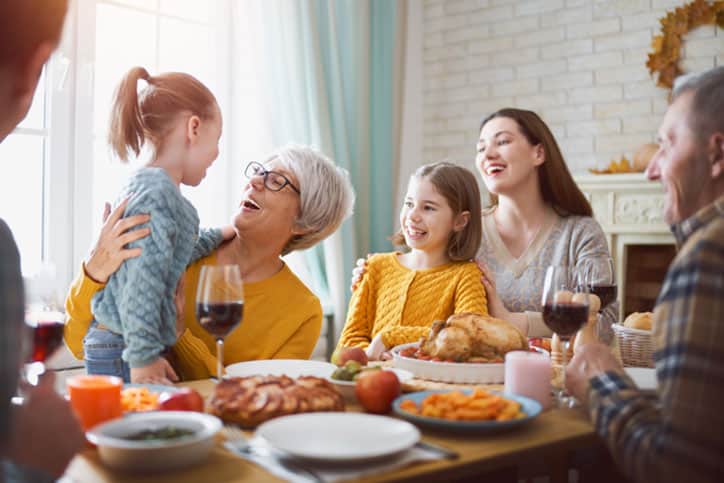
(282, 320)
(402, 304)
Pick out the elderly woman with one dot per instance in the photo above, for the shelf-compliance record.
(293, 200)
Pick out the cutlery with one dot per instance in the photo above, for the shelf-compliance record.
(446, 453)
(237, 443)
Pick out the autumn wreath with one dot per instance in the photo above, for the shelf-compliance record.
(667, 47)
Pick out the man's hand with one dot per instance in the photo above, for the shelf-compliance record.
(110, 252)
(589, 361)
(46, 433)
(157, 372)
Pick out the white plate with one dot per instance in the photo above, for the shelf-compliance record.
(644, 377)
(339, 437)
(278, 367)
(346, 388)
(455, 372)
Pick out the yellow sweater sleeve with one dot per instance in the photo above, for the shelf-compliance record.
(357, 330)
(78, 311)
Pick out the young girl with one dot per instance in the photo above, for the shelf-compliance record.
(135, 315)
(401, 294)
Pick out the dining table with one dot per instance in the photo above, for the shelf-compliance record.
(544, 445)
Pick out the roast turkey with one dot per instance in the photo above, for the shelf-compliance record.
(467, 336)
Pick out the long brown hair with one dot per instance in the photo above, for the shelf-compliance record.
(460, 189)
(555, 181)
(148, 115)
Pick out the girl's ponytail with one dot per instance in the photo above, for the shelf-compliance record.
(127, 130)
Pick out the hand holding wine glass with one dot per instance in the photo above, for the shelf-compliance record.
(565, 310)
(220, 305)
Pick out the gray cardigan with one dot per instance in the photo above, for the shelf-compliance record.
(560, 241)
(138, 300)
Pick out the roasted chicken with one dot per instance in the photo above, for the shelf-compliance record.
(465, 337)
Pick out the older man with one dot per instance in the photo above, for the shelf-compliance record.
(676, 434)
(37, 439)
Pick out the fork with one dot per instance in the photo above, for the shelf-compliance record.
(236, 442)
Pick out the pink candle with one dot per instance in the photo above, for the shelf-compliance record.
(529, 374)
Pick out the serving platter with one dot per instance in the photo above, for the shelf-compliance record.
(530, 407)
(451, 372)
(281, 367)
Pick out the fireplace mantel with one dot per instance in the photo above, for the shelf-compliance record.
(629, 208)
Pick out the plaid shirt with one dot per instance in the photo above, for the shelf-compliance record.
(677, 433)
(11, 319)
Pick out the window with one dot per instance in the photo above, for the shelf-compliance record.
(22, 196)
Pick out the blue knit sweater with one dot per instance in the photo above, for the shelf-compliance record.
(138, 300)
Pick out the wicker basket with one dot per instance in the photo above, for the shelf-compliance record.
(637, 347)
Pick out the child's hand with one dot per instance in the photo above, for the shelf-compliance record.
(110, 252)
(376, 348)
(157, 372)
(228, 232)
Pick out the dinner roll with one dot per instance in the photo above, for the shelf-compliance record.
(639, 320)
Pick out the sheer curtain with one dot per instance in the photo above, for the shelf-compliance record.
(325, 74)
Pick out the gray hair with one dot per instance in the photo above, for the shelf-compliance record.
(327, 196)
(707, 105)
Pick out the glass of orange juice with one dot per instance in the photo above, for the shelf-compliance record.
(95, 399)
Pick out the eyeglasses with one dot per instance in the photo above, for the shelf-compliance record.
(272, 180)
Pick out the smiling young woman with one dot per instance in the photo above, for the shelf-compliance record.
(538, 217)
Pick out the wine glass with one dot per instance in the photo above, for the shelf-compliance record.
(601, 279)
(565, 311)
(44, 320)
(220, 305)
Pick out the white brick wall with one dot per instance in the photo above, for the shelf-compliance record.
(578, 63)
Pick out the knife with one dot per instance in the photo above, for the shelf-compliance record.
(446, 453)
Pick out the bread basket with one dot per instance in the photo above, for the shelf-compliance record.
(637, 347)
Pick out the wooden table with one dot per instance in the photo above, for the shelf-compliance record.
(551, 437)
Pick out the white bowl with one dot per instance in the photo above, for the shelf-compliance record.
(156, 455)
(454, 372)
(346, 388)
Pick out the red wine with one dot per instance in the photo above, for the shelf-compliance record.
(565, 319)
(605, 292)
(219, 319)
(47, 337)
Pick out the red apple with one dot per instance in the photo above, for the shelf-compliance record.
(345, 354)
(186, 399)
(375, 390)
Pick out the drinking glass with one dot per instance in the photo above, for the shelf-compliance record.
(601, 279)
(44, 321)
(565, 311)
(220, 305)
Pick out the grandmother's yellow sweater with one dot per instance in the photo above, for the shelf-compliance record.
(402, 304)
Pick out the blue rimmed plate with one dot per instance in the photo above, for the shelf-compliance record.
(159, 388)
(530, 407)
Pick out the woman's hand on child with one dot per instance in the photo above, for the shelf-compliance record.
(495, 305)
(157, 372)
(358, 272)
(110, 252)
(376, 348)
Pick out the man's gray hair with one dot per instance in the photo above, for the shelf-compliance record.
(707, 105)
(327, 196)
